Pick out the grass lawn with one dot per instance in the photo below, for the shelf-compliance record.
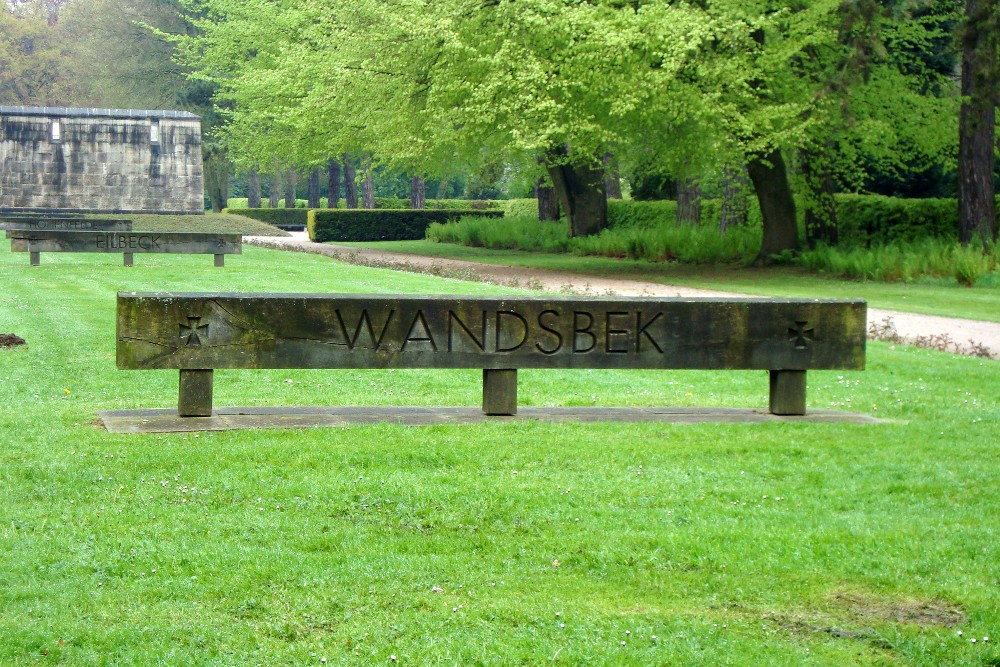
(496, 544)
(931, 297)
(222, 223)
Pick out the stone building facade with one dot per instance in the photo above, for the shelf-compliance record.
(100, 160)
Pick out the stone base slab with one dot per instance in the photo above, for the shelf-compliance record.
(166, 420)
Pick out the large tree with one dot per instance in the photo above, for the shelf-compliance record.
(32, 58)
(980, 96)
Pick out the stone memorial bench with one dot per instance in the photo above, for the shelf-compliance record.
(64, 224)
(200, 332)
(127, 243)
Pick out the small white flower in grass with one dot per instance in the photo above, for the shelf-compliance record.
(392, 657)
(623, 642)
(960, 633)
(653, 638)
(973, 640)
(628, 632)
(562, 625)
(437, 589)
(986, 639)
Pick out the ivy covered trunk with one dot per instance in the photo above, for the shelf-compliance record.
(821, 209)
(253, 189)
(350, 182)
(777, 208)
(735, 203)
(689, 201)
(333, 183)
(612, 179)
(418, 193)
(216, 170)
(313, 185)
(580, 191)
(548, 205)
(977, 221)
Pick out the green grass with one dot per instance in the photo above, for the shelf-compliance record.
(222, 223)
(289, 546)
(928, 296)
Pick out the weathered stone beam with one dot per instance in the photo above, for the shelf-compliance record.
(127, 243)
(498, 334)
(67, 224)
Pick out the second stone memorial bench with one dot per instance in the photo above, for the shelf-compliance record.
(197, 333)
(127, 243)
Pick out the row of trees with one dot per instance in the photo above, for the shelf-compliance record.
(818, 94)
(424, 86)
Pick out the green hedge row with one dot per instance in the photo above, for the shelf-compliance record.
(873, 219)
(861, 219)
(383, 202)
(381, 224)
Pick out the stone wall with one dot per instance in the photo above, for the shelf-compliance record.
(100, 160)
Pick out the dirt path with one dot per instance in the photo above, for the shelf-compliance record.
(967, 335)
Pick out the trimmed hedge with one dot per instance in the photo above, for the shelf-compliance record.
(874, 219)
(381, 224)
(385, 202)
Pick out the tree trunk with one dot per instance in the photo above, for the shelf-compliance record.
(612, 179)
(313, 190)
(580, 189)
(821, 208)
(443, 186)
(350, 182)
(290, 182)
(274, 189)
(548, 205)
(253, 189)
(418, 193)
(333, 183)
(777, 208)
(688, 201)
(216, 170)
(735, 203)
(367, 186)
(977, 220)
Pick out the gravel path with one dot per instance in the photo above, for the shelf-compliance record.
(967, 334)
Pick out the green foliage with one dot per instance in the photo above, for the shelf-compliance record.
(904, 261)
(381, 224)
(873, 219)
(392, 202)
(520, 208)
(438, 544)
(660, 243)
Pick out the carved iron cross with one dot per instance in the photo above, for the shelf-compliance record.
(801, 334)
(192, 332)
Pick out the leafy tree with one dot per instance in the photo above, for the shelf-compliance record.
(31, 57)
(980, 96)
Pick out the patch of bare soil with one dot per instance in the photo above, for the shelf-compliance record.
(11, 340)
(906, 610)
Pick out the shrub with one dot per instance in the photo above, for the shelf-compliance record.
(244, 202)
(874, 219)
(688, 243)
(380, 224)
(904, 261)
